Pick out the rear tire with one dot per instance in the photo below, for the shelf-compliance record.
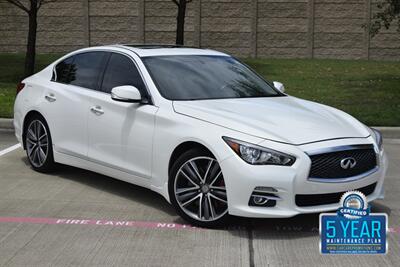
(39, 148)
(197, 189)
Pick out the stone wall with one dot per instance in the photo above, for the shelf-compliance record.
(245, 28)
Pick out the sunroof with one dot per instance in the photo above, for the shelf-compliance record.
(155, 46)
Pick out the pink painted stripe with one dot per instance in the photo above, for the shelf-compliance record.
(114, 223)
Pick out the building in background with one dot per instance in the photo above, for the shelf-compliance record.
(245, 28)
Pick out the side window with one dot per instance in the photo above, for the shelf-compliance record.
(63, 70)
(86, 69)
(122, 71)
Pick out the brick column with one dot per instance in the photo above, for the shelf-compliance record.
(141, 20)
(197, 23)
(367, 28)
(254, 18)
(310, 31)
(86, 22)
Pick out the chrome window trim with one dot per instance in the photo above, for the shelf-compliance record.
(343, 148)
(151, 100)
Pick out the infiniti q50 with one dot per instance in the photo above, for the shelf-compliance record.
(198, 127)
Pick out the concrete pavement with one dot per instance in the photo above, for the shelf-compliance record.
(156, 239)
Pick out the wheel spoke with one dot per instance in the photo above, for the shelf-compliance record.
(208, 169)
(42, 136)
(218, 188)
(184, 190)
(32, 135)
(201, 207)
(217, 198)
(187, 196)
(35, 155)
(211, 206)
(207, 208)
(39, 156)
(30, 142)
(188, 178)
(220, 194)
(191, 174)
(31, 150)
(38, 128)
(191, 200)
(196, 170)
(43, 145)
(216, 177)
(42, 155)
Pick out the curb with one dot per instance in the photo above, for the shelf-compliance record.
(387, 132)
(6, 124)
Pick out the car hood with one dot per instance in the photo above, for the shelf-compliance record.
(283, 119)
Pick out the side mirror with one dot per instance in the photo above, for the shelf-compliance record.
(279, 86)
(126, 93)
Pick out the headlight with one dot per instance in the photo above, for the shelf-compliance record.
(257, 155)
(378, 137)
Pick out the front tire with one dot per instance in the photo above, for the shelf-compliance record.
(197, 189)
(39, 148)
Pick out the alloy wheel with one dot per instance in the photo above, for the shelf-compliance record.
(37, 143)
(200, 189)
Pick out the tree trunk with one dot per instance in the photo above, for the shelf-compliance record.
(180, 22)
(31, 46)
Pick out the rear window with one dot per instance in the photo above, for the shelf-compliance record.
(82, 69)
(86, 69)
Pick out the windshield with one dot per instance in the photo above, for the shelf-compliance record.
(193, 77)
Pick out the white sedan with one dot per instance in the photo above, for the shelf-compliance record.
(198, 127)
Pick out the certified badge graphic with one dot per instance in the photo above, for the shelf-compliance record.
(354, 205)
(353, 229)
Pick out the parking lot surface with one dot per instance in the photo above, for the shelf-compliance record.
(77, 217)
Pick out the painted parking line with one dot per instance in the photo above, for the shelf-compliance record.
(9, 149)
(95, 222)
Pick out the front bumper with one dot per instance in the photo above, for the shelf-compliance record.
(241, 179)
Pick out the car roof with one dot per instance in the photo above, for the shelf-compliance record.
(146, 50)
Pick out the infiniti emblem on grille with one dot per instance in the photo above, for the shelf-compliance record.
(348, 163)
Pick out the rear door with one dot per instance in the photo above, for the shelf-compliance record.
(68, 99)
(121, 134)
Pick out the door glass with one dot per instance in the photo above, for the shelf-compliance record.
(122, 71)
(86, 69)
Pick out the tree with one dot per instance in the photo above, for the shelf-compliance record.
(31, 8)
(180, 20)
(388, 14)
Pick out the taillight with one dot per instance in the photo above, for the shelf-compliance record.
(20, 86)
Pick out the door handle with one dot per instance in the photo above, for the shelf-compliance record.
(50, 97)
(97, 110)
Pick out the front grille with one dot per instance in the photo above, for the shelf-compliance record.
(330, 198)
(327, 165)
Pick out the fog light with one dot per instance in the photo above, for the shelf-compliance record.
(260, 200)
(262, 197)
